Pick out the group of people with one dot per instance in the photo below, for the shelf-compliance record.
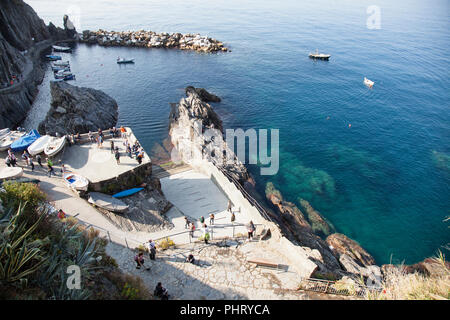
(11, 161)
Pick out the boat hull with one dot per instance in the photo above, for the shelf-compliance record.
(54, 146)
(39, 145)
(11, 173)
(107, 202)
(75, 181)
(127, 193)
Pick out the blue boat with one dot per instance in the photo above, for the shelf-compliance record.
(53, 57)
(127, 193)
(69, 77)
(25, 141)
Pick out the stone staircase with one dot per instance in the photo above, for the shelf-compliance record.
(165, 170)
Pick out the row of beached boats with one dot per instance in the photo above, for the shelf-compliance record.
(61, 69)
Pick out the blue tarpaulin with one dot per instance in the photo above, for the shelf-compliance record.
(25, 141)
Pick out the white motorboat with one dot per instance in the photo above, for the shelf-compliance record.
(54, 146)
(107, 202)
(75, 181)
(39, 145)
(61, 49)
(61, 63)
(4, 132)
(317, 55)
(11, 173)
(9, 138)
(123, 60)
(368, 82)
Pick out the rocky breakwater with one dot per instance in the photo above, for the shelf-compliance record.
(78, 110)
(150, 39)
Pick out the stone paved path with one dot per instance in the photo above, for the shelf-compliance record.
(221, 272)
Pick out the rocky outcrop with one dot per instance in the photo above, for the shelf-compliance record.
(298, 229)
(78, 110)
(22, 36)
(150, 39)
(319, 224)
(344, 245)
(204, 95)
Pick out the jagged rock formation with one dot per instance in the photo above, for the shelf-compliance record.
(23, 36)
(77, 109)
(150, 39)
(344, 245)
(20, 69)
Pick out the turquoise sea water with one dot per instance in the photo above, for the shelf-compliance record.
(384, 181)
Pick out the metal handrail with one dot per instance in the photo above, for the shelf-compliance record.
(328, 287)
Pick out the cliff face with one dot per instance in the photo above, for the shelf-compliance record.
(78, 110)
(19, 59)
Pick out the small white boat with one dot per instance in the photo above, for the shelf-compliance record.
(9, 138)
(61, 49)
(11, 172)
(317, 55)
(54, 146)
(4, 132)
(39, 145)
(61, 63)
(107, 202)
(368, 82)
(75, 181)
(123, 60)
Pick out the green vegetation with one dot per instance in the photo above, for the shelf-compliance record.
(36, 249)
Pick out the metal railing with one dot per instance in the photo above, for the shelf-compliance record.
(333, 287)
(246, 195)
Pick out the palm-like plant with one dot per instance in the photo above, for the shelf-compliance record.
(20, 254)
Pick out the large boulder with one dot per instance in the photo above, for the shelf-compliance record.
(78, 110)
(344, 245)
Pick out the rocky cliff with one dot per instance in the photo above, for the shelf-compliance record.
(23, 36)
(77, 109)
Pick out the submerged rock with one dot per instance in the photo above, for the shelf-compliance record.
(85, 109)
(319, 224)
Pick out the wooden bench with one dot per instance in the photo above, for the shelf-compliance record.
(264, 263)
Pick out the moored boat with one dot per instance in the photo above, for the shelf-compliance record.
(54, 146)
(123, 60)
(75, 181)
(51, 57)
(9, 138)
(39, 145)
(11, 172)
(320, 56)
(107, 202)
(61, 49)
(61, 63)
(368, 82)
(25, 141)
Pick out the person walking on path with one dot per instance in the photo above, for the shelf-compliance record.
(250, 230)
(117, 155)
(39, 160)
(50, 167)
(30, 161)
(192, 229)
(151, 249)
(186, 222)
(139, 259)
(211, 219)
(233, 218)
(202, 220)
(229, 206)
(205, 233)
(112, 146)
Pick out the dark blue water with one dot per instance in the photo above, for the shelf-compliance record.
(384, 181)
